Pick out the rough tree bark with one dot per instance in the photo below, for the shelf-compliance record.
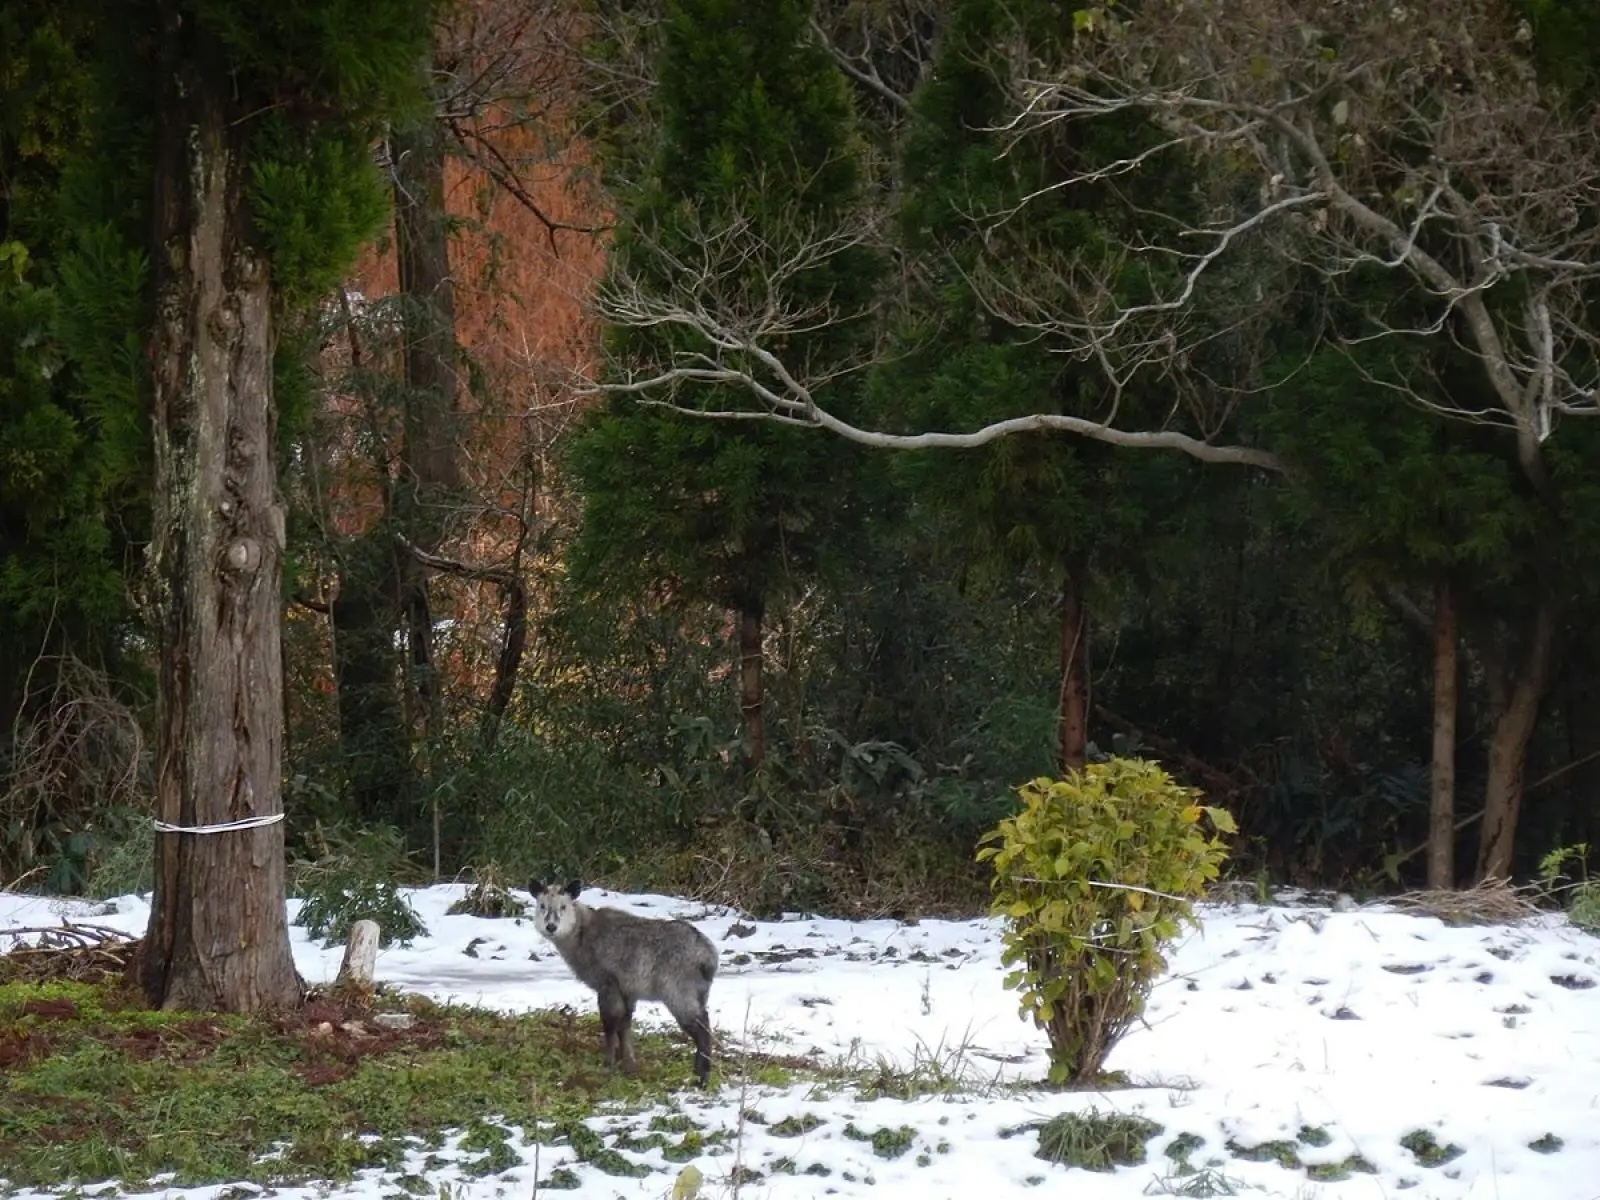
(1515, 700)
(751, 694)
(1073, 704)
(218, 936)
(1442, 793)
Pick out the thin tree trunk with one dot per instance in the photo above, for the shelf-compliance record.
(422, 252)
(380, 591)
(1073, 702)
(1517, 714)
(513, 644)
(751, 693)
(1442, 796)
(218, 936)
(430, 473)
(372, 731)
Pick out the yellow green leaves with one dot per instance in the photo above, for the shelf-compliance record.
(1092, 875)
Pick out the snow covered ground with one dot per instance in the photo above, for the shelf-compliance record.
(1334, 1033)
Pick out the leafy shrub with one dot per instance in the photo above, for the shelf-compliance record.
(1582, 894)
(354, 879)
(1094, 876)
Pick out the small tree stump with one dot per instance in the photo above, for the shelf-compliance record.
(360, 957)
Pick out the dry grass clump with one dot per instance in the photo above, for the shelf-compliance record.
(1492, 902)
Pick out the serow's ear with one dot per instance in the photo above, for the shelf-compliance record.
(536, 888)
(573, 888)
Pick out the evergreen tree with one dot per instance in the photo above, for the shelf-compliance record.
(756, 167)
(1068, 511)
(205, 184)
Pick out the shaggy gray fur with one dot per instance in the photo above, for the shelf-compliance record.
(625, 959)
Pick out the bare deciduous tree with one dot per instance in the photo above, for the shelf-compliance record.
(734, 335)
(1378, 137)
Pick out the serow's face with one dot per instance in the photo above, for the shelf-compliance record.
(553, 913)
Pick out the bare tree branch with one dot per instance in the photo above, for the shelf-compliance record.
(886, 47)
(1379, 137)
(732, 331)
(863, 72)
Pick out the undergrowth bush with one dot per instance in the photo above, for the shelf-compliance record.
(1580, 895)
(567, 808)
(354, 877)
(489, 896)
(1094, 876)
(75, 781)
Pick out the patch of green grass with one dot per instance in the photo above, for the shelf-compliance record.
(691, 1145)
(928, 1074)
(1178, 1151)
(1427, 1150)
(1547, 1144)
(1203, 1183)
(886, 1142)
(1095, 1141)
(794, 1126)
(1335, 1171)
(1284, 1153)
(1313, 1135)
(493, 1144)
(674, 1123)
(612, 1162)
(639, 1142)
(94, 1086)
(562, 1179)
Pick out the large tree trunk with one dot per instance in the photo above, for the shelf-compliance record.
(1073, 703)
(218, 935)
(1442, 786)
(752, 697)
(1516, 702)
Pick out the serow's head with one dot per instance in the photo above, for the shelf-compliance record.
(555, 908)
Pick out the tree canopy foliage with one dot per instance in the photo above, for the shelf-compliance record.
(757, 436)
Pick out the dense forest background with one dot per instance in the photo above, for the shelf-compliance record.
(617, 544)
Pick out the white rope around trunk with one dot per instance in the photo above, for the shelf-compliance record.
(223, 827)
